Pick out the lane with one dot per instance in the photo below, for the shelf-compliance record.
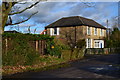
(97, 66)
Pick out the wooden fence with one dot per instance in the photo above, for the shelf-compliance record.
(39, 46)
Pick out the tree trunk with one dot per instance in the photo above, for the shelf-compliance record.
(5, 11)
(6, 45)
(71, 54)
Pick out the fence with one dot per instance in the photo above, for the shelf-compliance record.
(39, 46)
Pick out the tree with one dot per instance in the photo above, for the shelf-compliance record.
(7, 13)
(114, 40)
(71, 39)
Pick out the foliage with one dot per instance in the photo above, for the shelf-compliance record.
(61, 44)
(27, 37)
(53, 49)
(20, 51)
(114, 40)
(80, 43)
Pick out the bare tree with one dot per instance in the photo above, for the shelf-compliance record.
(7, 13)
(29, 31)
(115, 22)
(35, 30)
(71, 39)
(17, 28)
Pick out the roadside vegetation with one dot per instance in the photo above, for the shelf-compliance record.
(113, 40)
(18, 55)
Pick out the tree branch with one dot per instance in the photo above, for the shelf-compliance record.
(24, 9)
(10, 20)
(23, 20)
(22, 3)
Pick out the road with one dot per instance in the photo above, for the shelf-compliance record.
(97, 66)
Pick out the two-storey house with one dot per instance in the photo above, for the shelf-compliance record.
(83, 28)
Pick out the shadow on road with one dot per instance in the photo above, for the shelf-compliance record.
(104, 65)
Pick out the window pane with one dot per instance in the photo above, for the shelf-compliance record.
(55, 30)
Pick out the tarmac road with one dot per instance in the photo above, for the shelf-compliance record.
(97, 66)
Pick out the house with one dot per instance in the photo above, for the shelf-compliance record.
(84, 28)
(14, 31)
(43, 32)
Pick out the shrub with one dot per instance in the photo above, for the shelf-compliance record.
(19, 51)
(53, 49)
(80, 43)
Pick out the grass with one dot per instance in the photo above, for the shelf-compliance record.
(44, 62)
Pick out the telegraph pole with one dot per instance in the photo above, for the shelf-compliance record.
(107, 30)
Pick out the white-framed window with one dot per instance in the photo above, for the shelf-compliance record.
(51, 31)
(98, 43)
(54, 31)
(88, 43)
(88, 30)
(95, 31)
(101, 32)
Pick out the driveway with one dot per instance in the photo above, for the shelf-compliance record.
(97, 66)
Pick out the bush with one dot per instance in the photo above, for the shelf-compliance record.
(19, 51)
(53, 49)
(80, 43)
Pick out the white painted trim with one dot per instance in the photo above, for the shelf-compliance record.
(87, 30)
(100, 42)
(91, 43)
(58, 31)
(86, 43)
(95, 33)
(51, 31)
(44, 33)
(100, 32)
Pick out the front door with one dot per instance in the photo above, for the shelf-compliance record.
(98, 44)
(101, 45)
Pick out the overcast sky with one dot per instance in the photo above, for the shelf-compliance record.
(49, 12)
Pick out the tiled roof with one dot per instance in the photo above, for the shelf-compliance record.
(75, 21)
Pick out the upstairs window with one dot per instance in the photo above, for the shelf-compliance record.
(101, 32)
(88, 30)
(55, 31)
(95, 31)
